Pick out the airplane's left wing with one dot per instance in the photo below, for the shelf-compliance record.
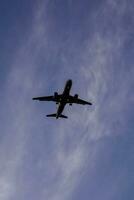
(48, 98)
(73, 99)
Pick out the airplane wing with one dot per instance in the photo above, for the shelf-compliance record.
(48, 98)
(72, 99)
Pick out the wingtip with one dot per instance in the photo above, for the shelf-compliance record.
(90, 103)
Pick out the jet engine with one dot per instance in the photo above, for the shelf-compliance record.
(76, 96)
(55, 95)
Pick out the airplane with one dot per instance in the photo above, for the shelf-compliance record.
(62, 100)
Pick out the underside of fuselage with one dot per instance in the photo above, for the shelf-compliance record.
(60, 109)
(64, 98)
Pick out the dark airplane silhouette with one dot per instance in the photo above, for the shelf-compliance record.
(62, 100)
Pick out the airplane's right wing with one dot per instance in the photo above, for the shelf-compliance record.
(48, 98)
(72, 99)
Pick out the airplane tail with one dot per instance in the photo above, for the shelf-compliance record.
(55, 115)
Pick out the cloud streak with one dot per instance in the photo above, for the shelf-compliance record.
(49, 162)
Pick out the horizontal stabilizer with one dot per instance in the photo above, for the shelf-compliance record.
(63, 116)
(55, 115)
(51, 115)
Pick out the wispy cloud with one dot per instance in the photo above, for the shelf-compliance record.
(54, 159)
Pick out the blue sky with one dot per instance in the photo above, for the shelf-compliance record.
(91, 154)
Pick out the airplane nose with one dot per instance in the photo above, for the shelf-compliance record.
(70, 81)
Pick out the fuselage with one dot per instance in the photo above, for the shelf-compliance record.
(64, 98)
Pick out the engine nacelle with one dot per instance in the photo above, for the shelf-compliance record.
(76, 96)
(55, 95)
